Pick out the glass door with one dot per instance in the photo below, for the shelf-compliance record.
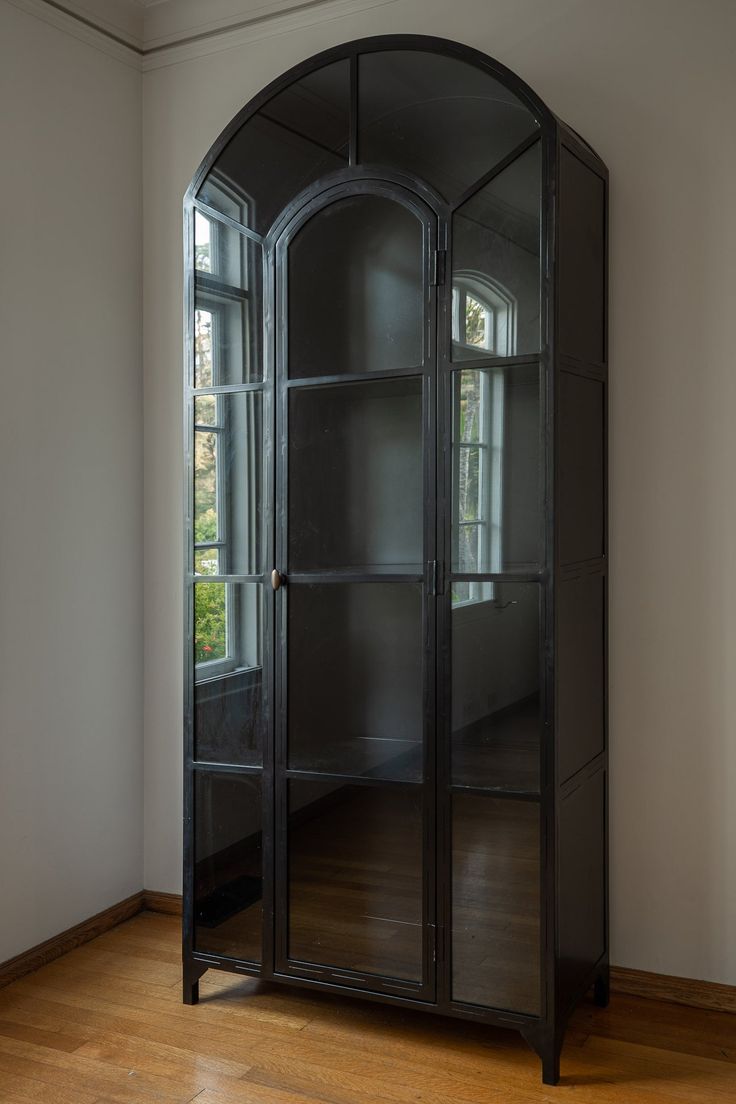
(355, 545)
(494, 611)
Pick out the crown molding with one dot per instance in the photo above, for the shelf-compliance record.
(255, 22)
(150, 34)
(117, 18)
(77, 25)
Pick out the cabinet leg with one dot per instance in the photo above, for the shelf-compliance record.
(551, 1062)
(190, 984)
(546, 1042)
(602, 988)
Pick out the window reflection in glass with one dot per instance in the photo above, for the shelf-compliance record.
(202, 242)
(210, 622)
(497, 475)
(203, 374)
(227, 483)
(228, 282)
(483, 317)
(298, 136)
(478, 452)
(227, 628)
(496, 264)
(228, 667)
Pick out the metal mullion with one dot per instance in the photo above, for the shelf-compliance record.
(330, 578)
(209, 284)
(353, 131)
(434, 237)
(497, 576)
(207, 767)
(355, 377)
(480, 364)
(490, 792)
(212, 213)
(225, 578)
(227, 389)
(447, 491)
(295, 774)
(497, 169)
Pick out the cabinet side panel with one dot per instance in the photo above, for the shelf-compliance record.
(581, 468)
(580, 577)
(581, 900)
(581, 261)
(581, 699)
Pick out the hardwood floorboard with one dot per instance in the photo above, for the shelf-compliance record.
(105, 1024)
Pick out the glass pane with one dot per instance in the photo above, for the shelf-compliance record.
(227, 480)
(498, 476)
(496, 720)
(202, 243)
(207, 561)
(356, 289)
(203, 376)
(436, 117)
(227, 865)
(297, 137)
(355, 878)
(224, 259)
(206, 410)
(355, 679)
(495, 903)
(228, 669)
(496, 264)
(227, 325)
(355, 476)
(471, 538)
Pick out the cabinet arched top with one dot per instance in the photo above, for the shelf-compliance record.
(436, 114)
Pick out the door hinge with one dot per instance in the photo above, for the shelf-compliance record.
(436, 582)
(439, 261)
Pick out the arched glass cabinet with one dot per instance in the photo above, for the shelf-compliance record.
(395, 775)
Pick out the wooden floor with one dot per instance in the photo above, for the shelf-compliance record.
(105, 1023)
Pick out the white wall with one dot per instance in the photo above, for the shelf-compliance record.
(71, 744)
(651, 86)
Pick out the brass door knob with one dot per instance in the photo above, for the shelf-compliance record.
(276, 579)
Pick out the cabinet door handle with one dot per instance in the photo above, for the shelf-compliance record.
(276, 578)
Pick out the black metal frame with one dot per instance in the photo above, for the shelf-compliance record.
(544, 1032)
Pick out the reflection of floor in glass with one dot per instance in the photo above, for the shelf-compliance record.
(495, 884)
(500, 751)
(355, 893)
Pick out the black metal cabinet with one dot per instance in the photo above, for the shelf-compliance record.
(395, 671)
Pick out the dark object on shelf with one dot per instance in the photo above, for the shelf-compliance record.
(395, 672)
